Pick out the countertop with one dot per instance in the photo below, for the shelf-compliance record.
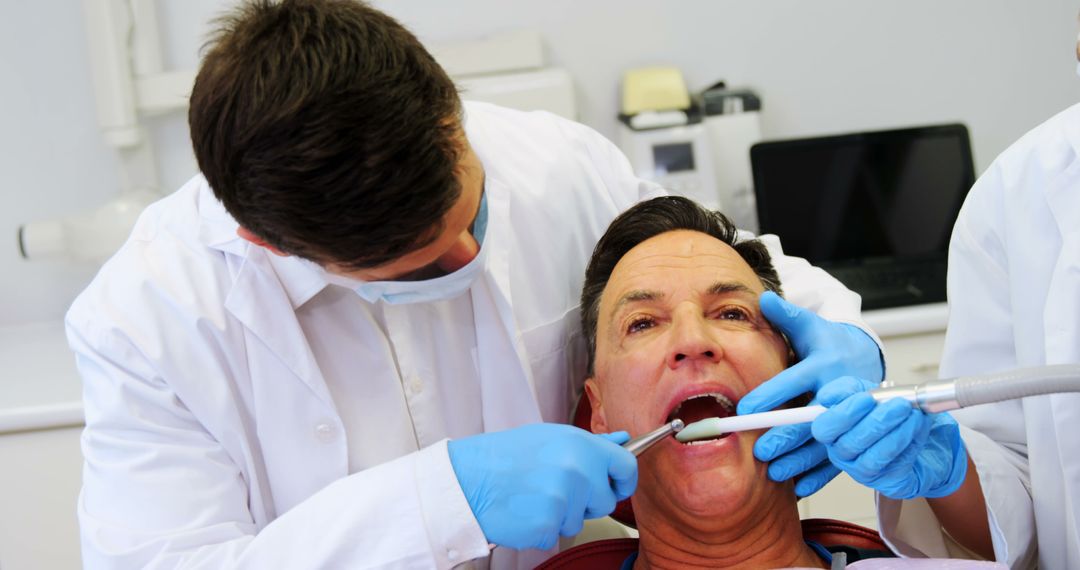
(916, 319)
(40, 388)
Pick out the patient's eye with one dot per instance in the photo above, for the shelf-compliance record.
(640, 323)
(733, 314)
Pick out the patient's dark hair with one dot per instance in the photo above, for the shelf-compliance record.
(652, 218)
(327, 130)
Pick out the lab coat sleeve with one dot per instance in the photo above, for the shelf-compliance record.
(624, 187)
(979, 339)
(812, 287)
(160, 492)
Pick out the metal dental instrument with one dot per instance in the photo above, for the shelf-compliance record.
(930, 397)
(639, 444)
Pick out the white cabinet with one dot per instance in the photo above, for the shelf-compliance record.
(40, 460)
(39, 485)
(913, 358)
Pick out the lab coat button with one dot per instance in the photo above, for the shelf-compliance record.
(451, 555)
(324, 432)
(415, 385)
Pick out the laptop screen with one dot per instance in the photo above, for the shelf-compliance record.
(866, 196)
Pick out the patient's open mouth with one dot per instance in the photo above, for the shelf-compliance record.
(701, 406)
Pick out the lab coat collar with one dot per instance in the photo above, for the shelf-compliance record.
(217, 229)
(1061, 195)
(264, 280)
(500, 355)
(1071, 128)
(261, 285)
(301, 279)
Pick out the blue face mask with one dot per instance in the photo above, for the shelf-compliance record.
(479, 225)
(440, 288)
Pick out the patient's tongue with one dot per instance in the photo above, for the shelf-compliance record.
(700, 408)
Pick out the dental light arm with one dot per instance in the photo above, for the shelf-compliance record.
(931, 397)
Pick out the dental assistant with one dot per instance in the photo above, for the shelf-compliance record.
(1014, 301)
(353, 339)
(1004, 482)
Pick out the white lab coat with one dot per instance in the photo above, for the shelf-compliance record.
(1014, 298)
(211, 438)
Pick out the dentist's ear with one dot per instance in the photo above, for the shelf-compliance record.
(599, 421)
(248, 236)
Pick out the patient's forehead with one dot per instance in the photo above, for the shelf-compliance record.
(678, 260)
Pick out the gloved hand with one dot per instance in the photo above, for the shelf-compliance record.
(528, 485)
(826, 351)
(892, 447)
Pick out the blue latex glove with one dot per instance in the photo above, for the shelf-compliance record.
(826, 351)
(528, 485)
(892, 447)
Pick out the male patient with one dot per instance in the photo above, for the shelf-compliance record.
(671, 314)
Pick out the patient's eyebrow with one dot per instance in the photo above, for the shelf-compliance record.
(637, 295)
(716, 289)
(724, 287)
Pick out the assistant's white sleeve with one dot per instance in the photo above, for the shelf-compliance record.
(160, 492)
(812, 287)
(979, 339)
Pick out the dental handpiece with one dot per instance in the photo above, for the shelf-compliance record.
(930, 397)
(639, 444)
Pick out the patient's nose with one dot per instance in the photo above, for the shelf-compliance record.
(692, 341)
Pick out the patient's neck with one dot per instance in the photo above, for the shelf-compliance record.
(761, 532)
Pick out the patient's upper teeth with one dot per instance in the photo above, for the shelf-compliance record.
(722, 399)
(717, 397)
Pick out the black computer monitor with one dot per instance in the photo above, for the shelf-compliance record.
(884, 197)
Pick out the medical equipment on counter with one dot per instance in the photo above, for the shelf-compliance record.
(654, 89)
(639, 444)
(931, 397)
(698, 147)
(732, 119)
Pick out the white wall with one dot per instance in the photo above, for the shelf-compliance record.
(826, 66)
(52, 155)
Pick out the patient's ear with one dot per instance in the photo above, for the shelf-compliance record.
(599, 422)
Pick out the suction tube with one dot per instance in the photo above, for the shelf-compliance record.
(964, 391)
